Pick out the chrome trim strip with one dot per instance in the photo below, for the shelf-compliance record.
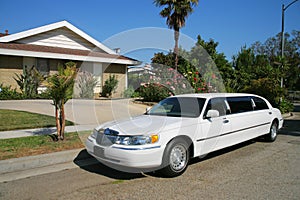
(135, 149)
(199, 140)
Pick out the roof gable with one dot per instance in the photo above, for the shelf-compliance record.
(60, 34)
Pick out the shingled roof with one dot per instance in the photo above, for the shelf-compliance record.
(58, 50)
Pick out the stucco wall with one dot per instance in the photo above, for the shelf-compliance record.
(9, 65)
(120, 72)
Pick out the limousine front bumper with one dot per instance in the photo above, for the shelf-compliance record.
(142, 156)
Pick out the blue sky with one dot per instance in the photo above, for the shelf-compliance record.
(232, 23)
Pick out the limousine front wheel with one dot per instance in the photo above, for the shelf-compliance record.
(271, 136)
(176, 158)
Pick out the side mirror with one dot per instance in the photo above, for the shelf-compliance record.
(212, 114)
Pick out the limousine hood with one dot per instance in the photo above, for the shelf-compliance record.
(146, 124)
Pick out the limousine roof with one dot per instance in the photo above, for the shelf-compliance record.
(210, 95)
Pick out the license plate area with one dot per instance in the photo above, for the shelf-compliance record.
(99, 151)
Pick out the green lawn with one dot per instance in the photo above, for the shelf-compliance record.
(13, 120)
(34, 145)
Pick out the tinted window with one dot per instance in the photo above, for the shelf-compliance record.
(216, 104)
(179, 107)
(260, 104)
(239, 104)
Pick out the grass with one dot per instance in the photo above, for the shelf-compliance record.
(35, 145)
(118, 181)
(14, 120)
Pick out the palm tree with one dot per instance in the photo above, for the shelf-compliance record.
(176, 12)
(60, 89)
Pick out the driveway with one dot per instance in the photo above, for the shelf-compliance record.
(83, 112)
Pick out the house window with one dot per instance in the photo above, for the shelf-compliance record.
(43, 66)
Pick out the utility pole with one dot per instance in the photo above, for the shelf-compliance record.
(282, 34)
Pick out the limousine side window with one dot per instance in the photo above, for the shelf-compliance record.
(260, 104)
(216, 104)
(239, 104)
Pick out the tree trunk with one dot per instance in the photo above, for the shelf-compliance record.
(176, 37)
(63, 121)
(57, 121)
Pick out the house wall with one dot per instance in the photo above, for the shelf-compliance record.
(120, 72)
(9, 65)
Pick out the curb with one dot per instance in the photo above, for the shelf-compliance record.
(32, 162)
(287, 115)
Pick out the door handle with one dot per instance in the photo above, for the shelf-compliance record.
(225, 121)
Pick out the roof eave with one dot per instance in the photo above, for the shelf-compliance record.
(13, 52)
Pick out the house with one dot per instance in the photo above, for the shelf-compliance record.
(48, 46)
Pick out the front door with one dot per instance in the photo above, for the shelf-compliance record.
(212, 128)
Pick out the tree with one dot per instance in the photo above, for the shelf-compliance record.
(212, 65)
(271, 48)
(60, 89)
(259, 69)
(186, 79)
(176, 12)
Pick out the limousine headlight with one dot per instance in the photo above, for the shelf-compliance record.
(136, 140)
(104, 139)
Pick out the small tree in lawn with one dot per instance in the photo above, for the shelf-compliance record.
(60, 89)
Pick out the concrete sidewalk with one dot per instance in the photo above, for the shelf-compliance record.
(44, 131)
(18, 168)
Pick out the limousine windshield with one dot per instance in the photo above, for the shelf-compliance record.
(178, 107)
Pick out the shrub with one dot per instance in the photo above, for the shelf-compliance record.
(86, 84)
(268, 88)
(110, 85)
(154, 92)
(6, 93)
(29, 81)
(285, 106)
(128, 93)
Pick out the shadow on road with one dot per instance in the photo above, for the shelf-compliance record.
(94, 166)
(291, 125)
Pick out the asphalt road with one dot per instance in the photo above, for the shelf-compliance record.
(252, 170)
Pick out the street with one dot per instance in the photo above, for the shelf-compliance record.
(252, 170)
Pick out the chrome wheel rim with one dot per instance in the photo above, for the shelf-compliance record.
(178, 157)
(273, 131)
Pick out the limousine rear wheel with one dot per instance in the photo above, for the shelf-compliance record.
(271, 136)
(176, 158)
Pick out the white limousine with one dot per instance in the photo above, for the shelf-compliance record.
(182, 127)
